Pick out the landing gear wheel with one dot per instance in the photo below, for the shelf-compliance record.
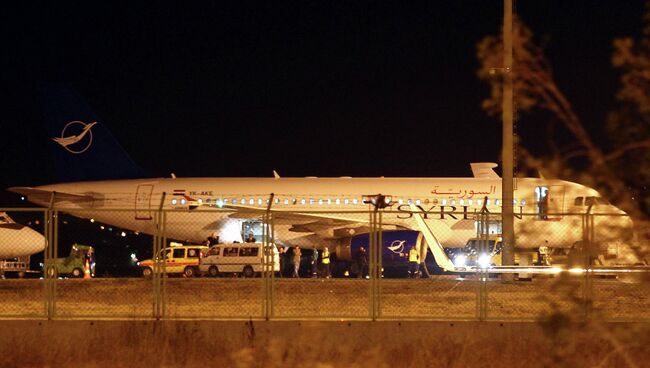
(147, 272)
(213, 271)
(189, 272)
(248, 271)
(51, 272)
(77, 272)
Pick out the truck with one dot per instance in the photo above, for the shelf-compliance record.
(18, 266)
(73, 265)
(246, 259)
(177, 259)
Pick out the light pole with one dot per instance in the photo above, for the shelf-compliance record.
(507, 214)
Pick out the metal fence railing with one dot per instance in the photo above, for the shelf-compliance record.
(372, 265)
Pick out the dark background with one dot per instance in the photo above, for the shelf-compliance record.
(329, 88)
(359, 88)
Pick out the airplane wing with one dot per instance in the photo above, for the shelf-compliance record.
(44, 196)
(324, 224)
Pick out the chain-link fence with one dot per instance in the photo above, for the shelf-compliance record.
(243, 263)
(22, 249)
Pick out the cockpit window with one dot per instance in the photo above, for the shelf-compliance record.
(578, 201)
(589, 201)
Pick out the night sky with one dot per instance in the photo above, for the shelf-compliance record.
(358, 88)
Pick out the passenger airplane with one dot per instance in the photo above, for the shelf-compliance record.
(442, 209)
(17, 240)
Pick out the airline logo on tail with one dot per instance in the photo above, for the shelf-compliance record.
(79, 138)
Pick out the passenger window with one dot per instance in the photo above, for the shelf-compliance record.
(590, 201)
(578, 201)
(179, 253)
(230, 252)
(193, 253)
(213, 251)
(248, 252)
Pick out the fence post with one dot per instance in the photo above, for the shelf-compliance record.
(158, 275)
(51, 230)
(374, 266)
(482, 274)
(156, 268)
(379, 270)
(268, 269)
(49, 269)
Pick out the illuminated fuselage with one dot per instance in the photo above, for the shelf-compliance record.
(548, 212)
(17, 240)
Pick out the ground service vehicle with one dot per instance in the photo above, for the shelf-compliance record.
(73, 265)
(178, 259)
(487, 252)
(240, 258)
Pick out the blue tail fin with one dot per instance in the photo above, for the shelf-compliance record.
(83, 147)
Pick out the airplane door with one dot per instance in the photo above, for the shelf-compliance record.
(550, 202)
(143, 202)
(556, 201)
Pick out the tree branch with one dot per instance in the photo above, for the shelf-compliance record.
(617, 153)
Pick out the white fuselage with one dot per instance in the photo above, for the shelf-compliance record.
(312, 211)
(17, 240)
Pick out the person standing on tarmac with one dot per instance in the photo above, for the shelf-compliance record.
(296, 261)
(281, 254)
(325, 260)
(314, 262)
(414, 262)
(362, 262)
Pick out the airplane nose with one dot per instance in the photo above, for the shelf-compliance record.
(25, 241)
(614, 227)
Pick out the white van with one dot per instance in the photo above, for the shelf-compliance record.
(243, 258)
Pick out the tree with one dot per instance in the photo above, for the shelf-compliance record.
(536, 89)
(629, 125)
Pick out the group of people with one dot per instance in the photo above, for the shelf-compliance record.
(324, 256)
(360, 260)
(214, 240)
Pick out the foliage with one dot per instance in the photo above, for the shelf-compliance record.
(535, 89)
(629, 125)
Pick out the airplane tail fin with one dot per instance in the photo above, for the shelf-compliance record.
(484, 170)
(82, 145)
